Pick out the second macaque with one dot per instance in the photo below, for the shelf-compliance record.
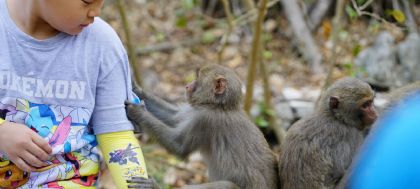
(235, 150)
(318, 150)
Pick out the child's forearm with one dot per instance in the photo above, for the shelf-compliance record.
(123, 156)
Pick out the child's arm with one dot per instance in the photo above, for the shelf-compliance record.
(123, 155)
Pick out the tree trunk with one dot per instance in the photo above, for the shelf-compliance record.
(318, 13)
(131, 51)
(256, 43)
(305, 42)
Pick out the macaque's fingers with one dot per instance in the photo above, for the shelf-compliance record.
(139, 180)
(128, 103)
(138, 90)
(141, 186)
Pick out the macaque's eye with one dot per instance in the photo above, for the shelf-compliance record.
(367, 104)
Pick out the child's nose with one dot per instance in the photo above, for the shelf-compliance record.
(94, 12)
(96, 9)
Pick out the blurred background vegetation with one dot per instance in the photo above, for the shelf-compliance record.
(285, 52)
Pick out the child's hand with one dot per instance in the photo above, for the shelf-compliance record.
(23, 146)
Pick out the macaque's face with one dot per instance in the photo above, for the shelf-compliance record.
(352, 101)
(368, 112)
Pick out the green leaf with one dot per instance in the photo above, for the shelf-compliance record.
(267, 37)
(160, 36)
(356, 50)
(188, 4)
(360, 2)
(351, 12)
(348, 66)
(261, 122)
(270, 112)
(267, 54)
(397, 15)
(181, 22)
(208, 37)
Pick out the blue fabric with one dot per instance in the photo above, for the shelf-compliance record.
(391, 156)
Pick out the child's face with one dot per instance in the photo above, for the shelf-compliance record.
(69, 16)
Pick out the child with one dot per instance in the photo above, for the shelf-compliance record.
(64, 77)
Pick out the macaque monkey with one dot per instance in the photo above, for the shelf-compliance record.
(318, 150)
(213, 123)
(394, 98)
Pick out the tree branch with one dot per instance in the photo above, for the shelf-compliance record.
(256, 43)
(131, 51)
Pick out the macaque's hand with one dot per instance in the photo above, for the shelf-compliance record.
(142, 183)
(134, 110)
(138, 91)
(24, 147)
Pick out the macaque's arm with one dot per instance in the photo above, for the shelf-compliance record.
(160, 108)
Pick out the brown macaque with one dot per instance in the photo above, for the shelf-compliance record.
(214, 124)
(318, 150)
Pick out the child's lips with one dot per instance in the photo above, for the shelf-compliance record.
(84, 25)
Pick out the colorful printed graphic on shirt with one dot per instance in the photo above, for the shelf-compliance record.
(74, 163)
(11, 176)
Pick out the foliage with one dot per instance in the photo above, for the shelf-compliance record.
(351, 13)
(261, 120)
(397, 15)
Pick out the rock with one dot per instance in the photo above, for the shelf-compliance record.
(290, 93)
(302, 108)
(409, 58)
(284, 111)
(379, 62)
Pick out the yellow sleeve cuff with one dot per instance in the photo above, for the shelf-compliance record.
(2, 121)
(123, 155)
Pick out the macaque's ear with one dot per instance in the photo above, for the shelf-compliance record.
(333, 103)
(219, 85)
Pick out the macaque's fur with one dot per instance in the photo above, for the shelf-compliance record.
(318, 150)
(213, 123)
(400, 93)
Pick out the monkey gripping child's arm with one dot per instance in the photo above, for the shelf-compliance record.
(123, 155)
